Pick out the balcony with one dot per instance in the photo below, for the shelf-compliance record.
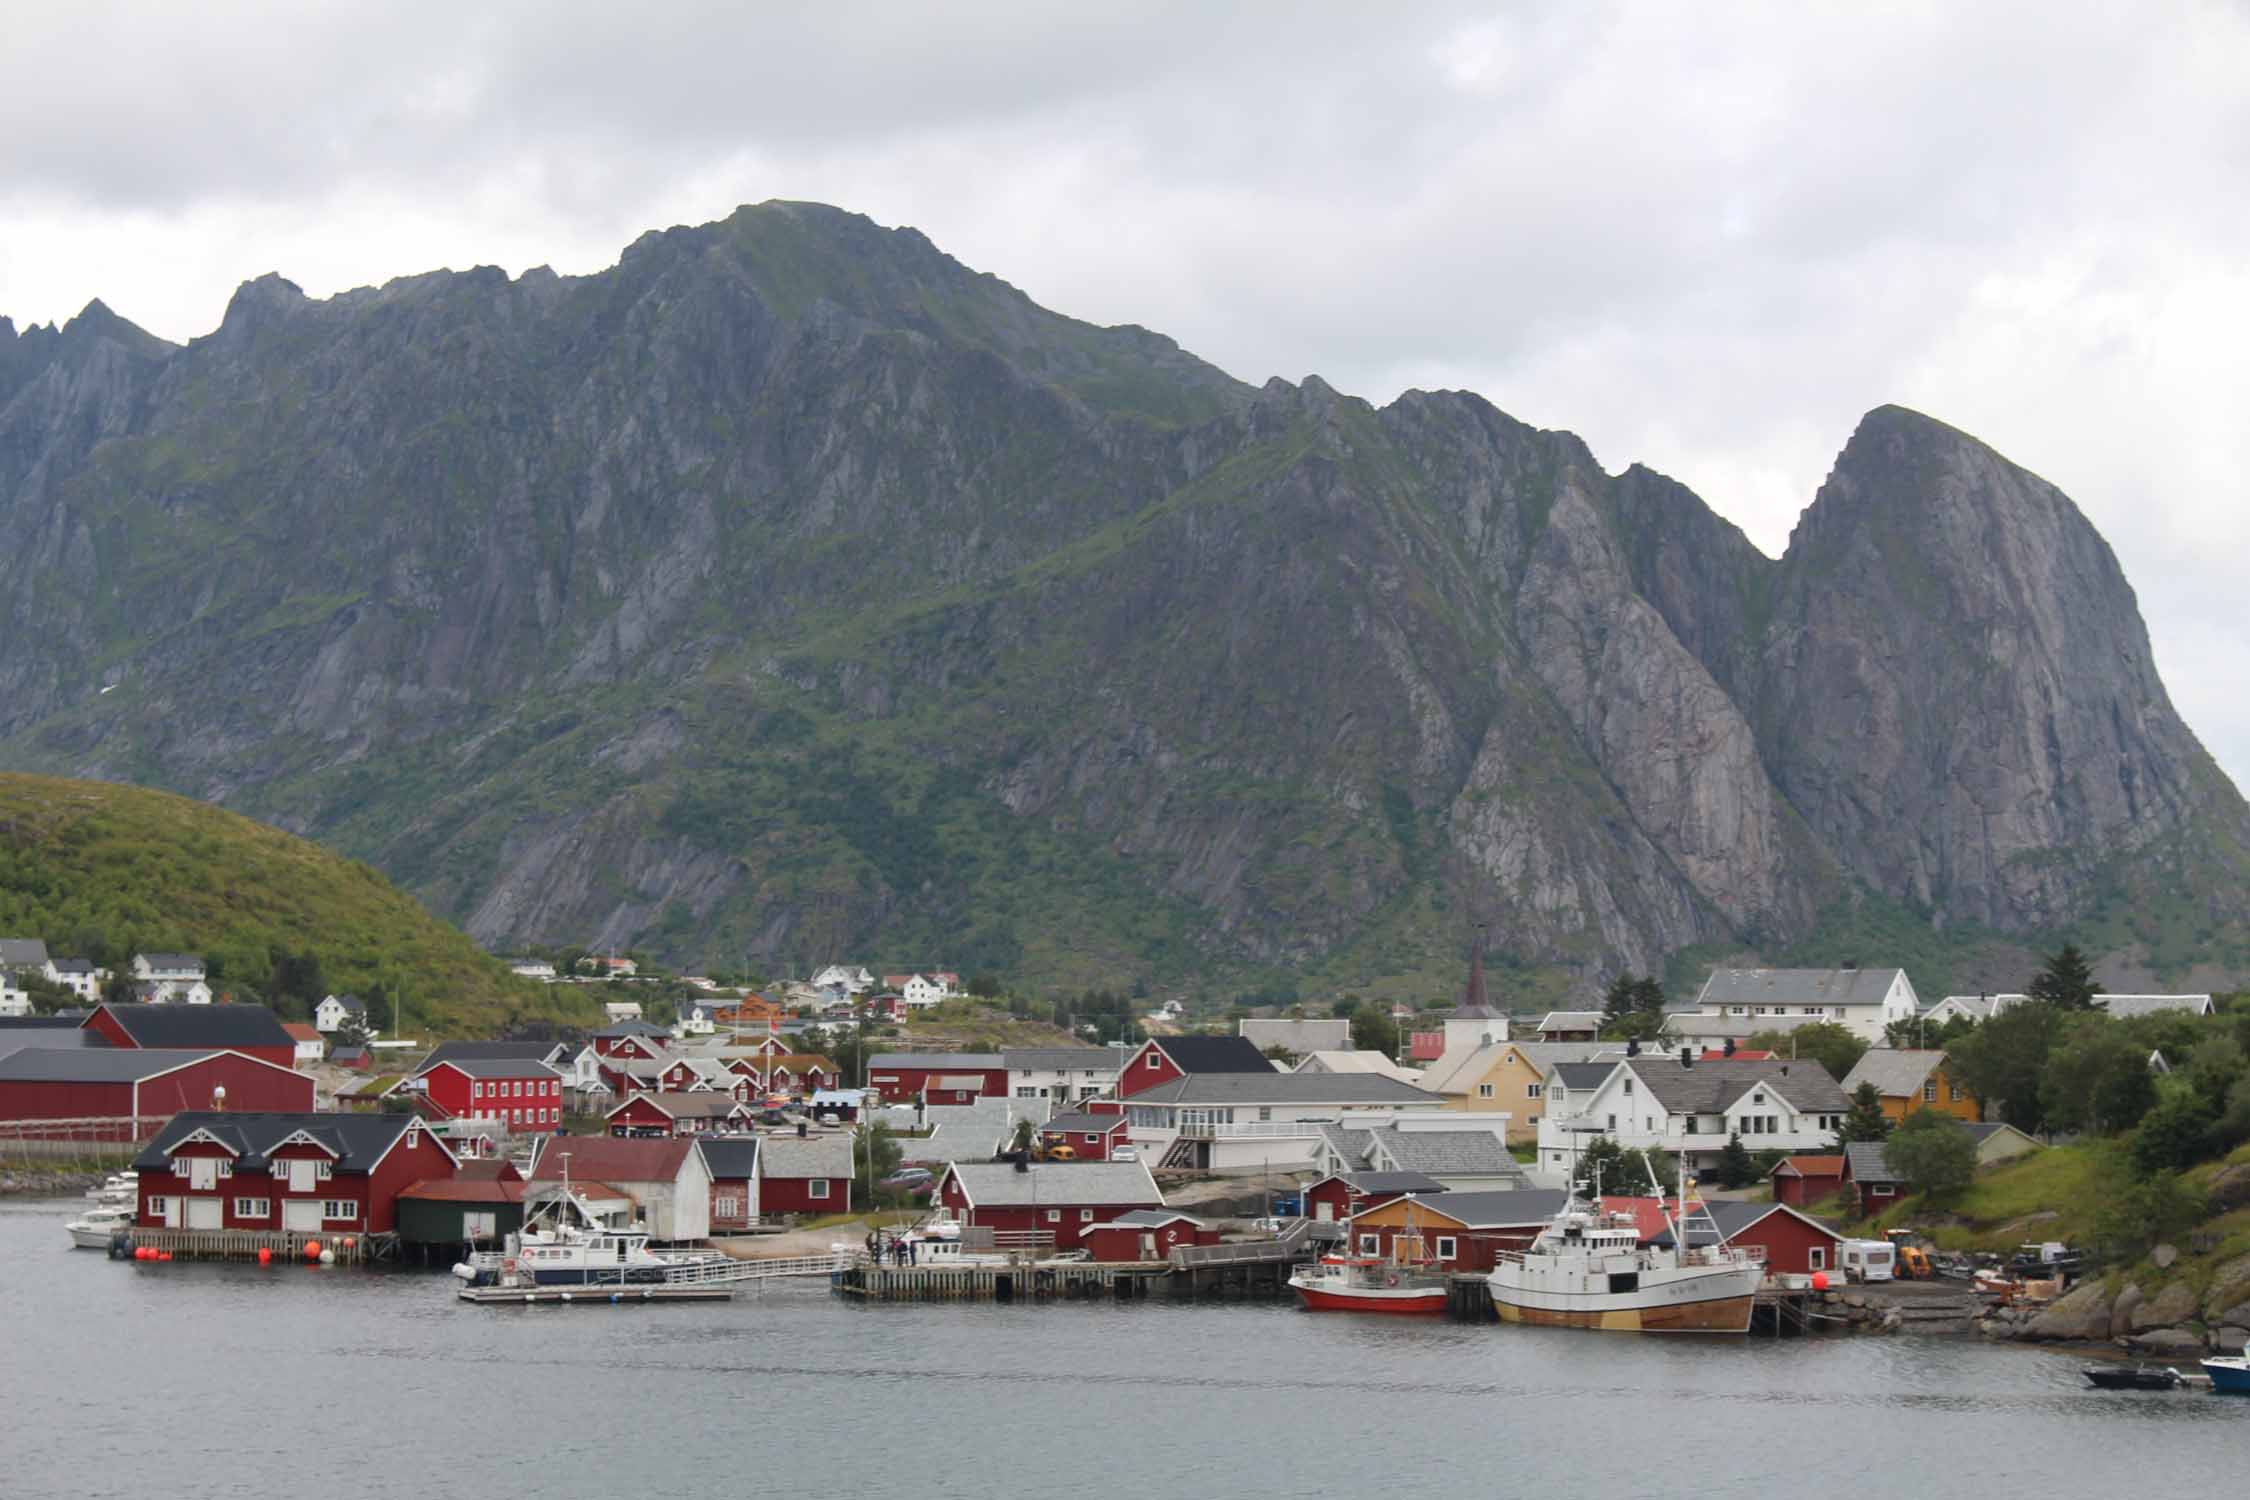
(1252, 1130)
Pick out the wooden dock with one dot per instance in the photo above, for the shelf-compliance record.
(244, 1244)
(593, 1296)
(1065, 1281)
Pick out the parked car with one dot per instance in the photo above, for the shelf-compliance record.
(1125, 1153)
(908, 1177)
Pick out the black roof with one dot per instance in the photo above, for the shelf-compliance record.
(496, 1067)
(634, 1028)
(729, 1157)
(1081, 1120)
(201, 1025)
(455, 1051)
(359, 1140)
(93, 1064)
(1215, 1054)
(19, 1032)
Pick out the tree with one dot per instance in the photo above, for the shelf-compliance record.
(1736, 1166)
(2065, 980)
(1373, 1030)
(1282, 1055)
(1606, 1167)
(1933, 1153)
(1865, 1120)
(2096, 1079)
(1628, 996)
(875, 1157)
(1836, 1048)
(2141, 1211)
(2213, 1069)
(2175, 1135)
(2003, 1061)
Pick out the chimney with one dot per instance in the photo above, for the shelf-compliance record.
(1023, 1160)
(1687, 1057)
(802, 1132)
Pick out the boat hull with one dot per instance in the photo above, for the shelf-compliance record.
(1699, 1301)
(94, 1239)
(599, 1276)
(2231, 1376)
(1719, 1315)
(1427, 1302)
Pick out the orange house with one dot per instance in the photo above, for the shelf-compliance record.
(1909, 1080)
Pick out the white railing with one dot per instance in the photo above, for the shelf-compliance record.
(1255, 1130)
(726, 1272)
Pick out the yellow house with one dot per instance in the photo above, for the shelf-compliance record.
(1907, 1081)
(1493, 1076)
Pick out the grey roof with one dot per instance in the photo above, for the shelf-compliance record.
(998, 1184)
(94, 1064)
(730, 1157)
(1498, 1210)
(631, 1027)
(1583, 1075)
(931, 1060)
(1797, 986)
(1151, 1218)
(1392, 1182)
(942, 1081)
(19, 1032)
(453, 1051)
(22, 953)
(2125, 1007)
(708, 1105)
(188, 962)
(201, 1026)
(1447, 1153)
(1270, 1087)
(1896, 1072)
(1734, 1217)
(1082, 1121)
(1866, 1163)
(1297, 1036)
(815, 1155)
(1981, 1131)
(358, 1139)
(348, 1002)
(72, 965)
(1351, 1145)
(1061, 1059)
(1570, 1020)
(1710, 1086)
(497, 1067)
(1544, 1054)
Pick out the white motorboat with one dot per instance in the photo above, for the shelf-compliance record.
(118, 1187)
(1366, 1283)
(96, 1227)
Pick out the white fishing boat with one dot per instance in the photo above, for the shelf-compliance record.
(566, 1242)
(1590, 1270)
(118, 1187)
(96, 1227)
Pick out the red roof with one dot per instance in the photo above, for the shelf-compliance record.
(300, 1031)
(487, 1169)
(612, 1159)
(1426, 1046)
(1813, 1166)
(1648, 1213)
(467, 1190)
(1739, 1054)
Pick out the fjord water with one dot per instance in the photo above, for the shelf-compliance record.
(187, 1381)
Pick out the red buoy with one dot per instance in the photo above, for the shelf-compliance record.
(164, 1255)
(312, 1250)
(1820, 1281)
(265, 1256)
(348, 1242)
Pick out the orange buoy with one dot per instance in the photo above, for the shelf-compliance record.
(348, 1242)
(164, 1255)
(265, 1256)
(140, 1252)
(312, 1250)
(1820, 1281)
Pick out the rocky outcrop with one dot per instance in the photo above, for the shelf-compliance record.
(789, 586)
(2080, 1315)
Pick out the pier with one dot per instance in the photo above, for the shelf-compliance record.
(244, 1244)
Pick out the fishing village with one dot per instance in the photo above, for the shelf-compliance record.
(1571, 1169)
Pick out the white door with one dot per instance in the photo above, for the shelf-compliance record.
(302, 1177)
(1325, 1212)
(172, 1213)
(203, 1174)
(301, 1214)
(205, 1213)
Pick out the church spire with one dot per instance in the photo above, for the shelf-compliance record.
(1472, 998)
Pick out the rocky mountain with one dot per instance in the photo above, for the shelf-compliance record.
(790, 591)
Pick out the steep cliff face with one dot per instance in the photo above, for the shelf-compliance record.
(790, 589)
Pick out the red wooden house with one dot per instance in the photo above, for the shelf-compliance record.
(682, 1076)
(1869, 1173)
(1805, 1180)
(520, 1093)
(251, 1030)
(804, 1174)
(1792, 1241)
(1339, 1196)
(1064, 1199)
(630, 1039)
(1165, 1058)
(125, 1085)
(1090, 1137)
(301, 1172)
(668, 1114)
(902, 1077)
(1455, 1231)
(733, 1162)
(799, 1074)
(1145, 1234)
(952, 1088)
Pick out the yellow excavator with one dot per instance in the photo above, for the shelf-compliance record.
(1913, 1255)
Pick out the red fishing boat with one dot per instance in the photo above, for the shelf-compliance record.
(1366, 1283)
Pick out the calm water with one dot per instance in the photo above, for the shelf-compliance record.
(225, 1380)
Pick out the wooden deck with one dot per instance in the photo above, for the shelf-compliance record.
(244, 1244)
(1066, 1281)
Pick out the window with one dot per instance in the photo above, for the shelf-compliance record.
(1154, 1060)
(1054, 1216)
(1758, 1098)
(1692, 1123)
(1613, 1124)
(225, 1168)
(1738, 1010)
(1085, 1216)
(334, 1209)
(1929, 1092)
(1533, 1090)
(1027, 1091)
(1446, 1247)
(253, 1208)
(158, 1207)
(1817, 1257)
(1090, 1139)
(1484, 1091)
(817, 1188)
(1628, 1088)
(1370, 1244)
(1882, 1190)
(323, 1170)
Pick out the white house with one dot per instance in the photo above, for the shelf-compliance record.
(165, 977)
(334, 1010)
(621, 1010)
(850, 979)
(1475, 1025)
(77, 975)
(1063, 1075)
(1981, 1008)
(1250, 1122)
(1742, 1002)
(533, 968)
(922, 990)
(14, 999)
(1298, 1038)
(1689, 1105)
(1351, 1060)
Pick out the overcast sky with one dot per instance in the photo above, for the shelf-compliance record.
(1705, 238)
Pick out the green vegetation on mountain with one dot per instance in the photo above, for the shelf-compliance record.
(103, 871)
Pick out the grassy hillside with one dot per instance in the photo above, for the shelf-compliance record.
(104, 871)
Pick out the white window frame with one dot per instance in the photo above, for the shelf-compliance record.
(816, 1187)
(1054, 1216)
(1448, 1247)
(1371, 1244)
(1085, 1216)
(328, 1214)
(1817, 1257)
(253, 1208)
(1484, 1091)
(1534, 1090)
(158, 1207)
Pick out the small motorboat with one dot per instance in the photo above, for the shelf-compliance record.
(96, 1227)
(2132, 1377)
(2230, 1374)
(1364, 1283)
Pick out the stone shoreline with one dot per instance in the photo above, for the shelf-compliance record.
(2174, 1323)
